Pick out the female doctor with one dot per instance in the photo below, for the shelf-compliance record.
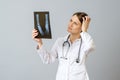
(71, 50)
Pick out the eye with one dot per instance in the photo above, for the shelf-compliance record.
(70, 20)
(75, 23)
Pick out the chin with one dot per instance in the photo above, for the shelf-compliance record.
(69, 31)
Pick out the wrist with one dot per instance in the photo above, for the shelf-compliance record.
(40, 45)
(84, 30)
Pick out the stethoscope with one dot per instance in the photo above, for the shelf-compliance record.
(66, 43)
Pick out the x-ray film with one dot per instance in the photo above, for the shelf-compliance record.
(42, 24)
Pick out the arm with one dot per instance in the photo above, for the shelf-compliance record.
(86, 38)
(87, 42)
(48, 57)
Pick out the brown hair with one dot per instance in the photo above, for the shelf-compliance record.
(80, 15)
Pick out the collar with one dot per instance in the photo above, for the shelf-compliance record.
(66, 37)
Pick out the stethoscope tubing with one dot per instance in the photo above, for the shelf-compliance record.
(64, 56)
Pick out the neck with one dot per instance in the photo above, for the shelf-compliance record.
(73, 37)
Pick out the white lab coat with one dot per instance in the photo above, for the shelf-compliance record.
(69, 69)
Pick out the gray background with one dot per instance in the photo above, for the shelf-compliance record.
(18, 57)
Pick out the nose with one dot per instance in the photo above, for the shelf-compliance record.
(70, 24)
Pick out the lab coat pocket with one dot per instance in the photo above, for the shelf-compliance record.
(78, 72)
(77, 68)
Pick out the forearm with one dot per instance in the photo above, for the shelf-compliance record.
(39, 45)
(88, 42)
(46, 57)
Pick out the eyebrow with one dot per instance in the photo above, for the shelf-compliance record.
(74, 21)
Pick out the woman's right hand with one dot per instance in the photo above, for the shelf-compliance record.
(38, 40)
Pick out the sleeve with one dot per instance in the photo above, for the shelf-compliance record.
(88, 42)
(48, 57)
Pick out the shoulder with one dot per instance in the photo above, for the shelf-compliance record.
(85, 35)
(61, 39)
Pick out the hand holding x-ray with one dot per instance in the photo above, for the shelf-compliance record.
(38, 40)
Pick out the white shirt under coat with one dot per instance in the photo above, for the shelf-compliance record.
(69, 69)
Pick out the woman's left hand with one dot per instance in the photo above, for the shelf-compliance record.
(85, 23)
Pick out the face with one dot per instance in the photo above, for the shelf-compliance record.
(74, 26)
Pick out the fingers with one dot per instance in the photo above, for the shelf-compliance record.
(85, 23)
(86, 18)
(83, 19)
(34, 33)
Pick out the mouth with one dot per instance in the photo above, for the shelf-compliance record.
(69, 28)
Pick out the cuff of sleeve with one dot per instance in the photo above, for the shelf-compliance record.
(83, 33)
(39, 49)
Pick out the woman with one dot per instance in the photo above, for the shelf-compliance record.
(71, 50)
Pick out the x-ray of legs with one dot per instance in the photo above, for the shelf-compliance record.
(38, 25)
(46, 24)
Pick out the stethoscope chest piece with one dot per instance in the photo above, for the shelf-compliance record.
(77, 60)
